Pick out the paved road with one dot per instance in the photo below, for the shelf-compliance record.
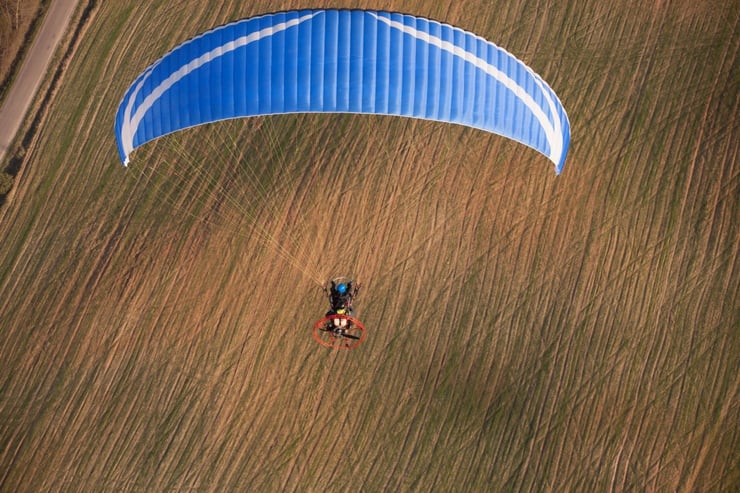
(32, 71)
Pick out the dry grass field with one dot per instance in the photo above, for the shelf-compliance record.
(527, 332)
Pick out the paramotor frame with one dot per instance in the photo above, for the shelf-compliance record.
(339, 332)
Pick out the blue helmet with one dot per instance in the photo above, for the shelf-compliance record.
(342, 288)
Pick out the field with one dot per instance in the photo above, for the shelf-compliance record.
(527, 331)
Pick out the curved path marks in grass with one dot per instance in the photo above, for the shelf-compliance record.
(32, 71)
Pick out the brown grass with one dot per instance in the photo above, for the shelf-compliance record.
(526, 331)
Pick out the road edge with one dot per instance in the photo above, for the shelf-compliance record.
(21, 146)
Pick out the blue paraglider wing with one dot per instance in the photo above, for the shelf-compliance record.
(351, 61)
